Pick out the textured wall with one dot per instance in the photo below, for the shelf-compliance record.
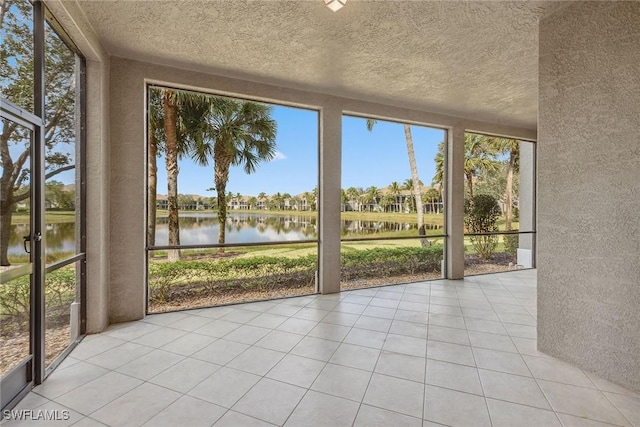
(589, 188)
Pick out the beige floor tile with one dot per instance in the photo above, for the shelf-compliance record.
(342, 381)
(366, 338)
(505, 414)
(220, 352)
(395, 394)
(454, 408)
(279, 341)
(137, 406)
(270, 401)
(402, 366)
(501, 361)
(582, 402)
(356, 356)
(453, 376)
(448, 352)
(256, 360)
(187, 411)
(224, 387)
(185, 375)
(370, 416)
(95, 394)
(323, 410)
(513, 388)
(297, 370)
(235, 419)
(316, 348)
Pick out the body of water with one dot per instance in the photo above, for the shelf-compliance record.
(202, 229)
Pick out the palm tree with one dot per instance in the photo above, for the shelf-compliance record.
(479, 151)
(353, 194)
(238, 133)
(394, 190)
(438, 177)
(156, 140)
(373, 194)
(433, 195)
(417, 187)
(512, 148)
(286, 199)
(408, 186)
(170, 106)
(183, 126)
(253, 202)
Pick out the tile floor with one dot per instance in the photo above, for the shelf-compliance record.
(456, 353)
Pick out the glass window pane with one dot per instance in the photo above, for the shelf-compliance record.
(62, 316)
(203, 278)
(15, 193)
(15, 315)
(229, 171)
(16, 66)
(392, 186)
(265, 173)
(499, 191)
(61, 153)
(389, 262)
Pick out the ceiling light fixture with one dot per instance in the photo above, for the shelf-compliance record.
(335, 5)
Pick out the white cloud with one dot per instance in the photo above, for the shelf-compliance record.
(279, 156)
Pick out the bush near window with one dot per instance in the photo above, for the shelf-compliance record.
(171, 281)
(481, 215)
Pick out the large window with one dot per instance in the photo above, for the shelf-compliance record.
(499, 204)
(393, 206)
(232, 200)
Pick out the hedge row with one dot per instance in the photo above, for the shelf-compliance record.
(173, 280)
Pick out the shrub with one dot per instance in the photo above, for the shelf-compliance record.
(481, 216)
(511, 244)
(172, 280)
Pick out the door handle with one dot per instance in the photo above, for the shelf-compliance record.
(26, 239)
(36, 238)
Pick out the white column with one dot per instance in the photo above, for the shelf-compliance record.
(329, 204)
(455, 203)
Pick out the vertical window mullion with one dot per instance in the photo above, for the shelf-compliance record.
(38, 172)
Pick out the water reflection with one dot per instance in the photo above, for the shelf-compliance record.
(202, 228)
(60, 237)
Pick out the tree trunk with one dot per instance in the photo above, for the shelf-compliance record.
(171, 138)
(416, 181)
(5, 233)
(508, 211)
(470, 185)
(152, 189)
(221, 177)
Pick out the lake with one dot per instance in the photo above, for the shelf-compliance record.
(202, 229)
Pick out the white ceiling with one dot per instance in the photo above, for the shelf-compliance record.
(476, 59)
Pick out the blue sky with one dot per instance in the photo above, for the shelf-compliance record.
(368, 158)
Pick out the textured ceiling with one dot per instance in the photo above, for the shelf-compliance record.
(475, 59)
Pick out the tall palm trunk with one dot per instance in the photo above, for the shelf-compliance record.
(416, 180)
(508, 212)
(171, 138)
(469, 176)
(221, 177)
(153, 188)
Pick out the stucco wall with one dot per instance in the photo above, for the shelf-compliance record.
(589, 188)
